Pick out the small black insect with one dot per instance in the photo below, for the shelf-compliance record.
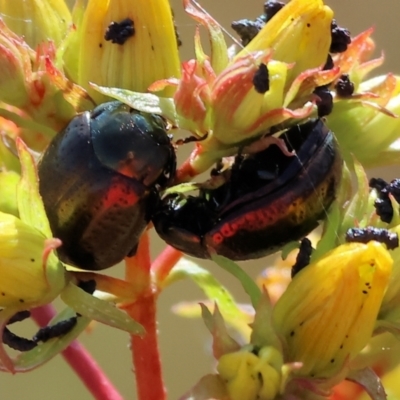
(383, 204)
(120, 32)
(46, 333)
(324, 102)
(272, 7)
(303, 256)
(344, 86)
(52, 331)
(261, 79)
(340, 38)
(248, 29)
(365, 235)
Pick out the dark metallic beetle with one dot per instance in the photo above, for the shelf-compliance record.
(269, 200)
(99, 180)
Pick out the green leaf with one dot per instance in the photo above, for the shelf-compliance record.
(146, 102)
(234, 315)
(30, 205)
(99, 310)
(329, 238)
(182, 188)
(213, 289)
(248, 284)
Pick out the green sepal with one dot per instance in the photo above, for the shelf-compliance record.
(223, 343)
(99, 310)
(30, 205)
(146, 102)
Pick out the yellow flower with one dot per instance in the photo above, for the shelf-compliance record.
(363, 108)
(26, 279)
(299, 33)
(328, 312)
(44, 99)
(32, 275)
(37, 20)
(226, 102)
(123, 43)
(250, 376)
(126, 43)
(270, 81)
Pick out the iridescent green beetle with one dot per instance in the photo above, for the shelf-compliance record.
(99, 180)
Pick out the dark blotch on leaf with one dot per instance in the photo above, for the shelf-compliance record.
(120, 32)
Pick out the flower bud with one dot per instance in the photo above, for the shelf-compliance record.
(356, 123)
(328, 312)
(248, 376)
(126, 44)
(29, 276)
(37, 20)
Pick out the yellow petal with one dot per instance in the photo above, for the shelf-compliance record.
(24, 277)
(148, 55)
(300, 32)
(328, 311)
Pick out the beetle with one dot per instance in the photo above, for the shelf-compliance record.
(268, 200)
(99, 180)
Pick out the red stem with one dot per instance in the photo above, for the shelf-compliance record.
(145, 352)
(163, 264)
(81, 361)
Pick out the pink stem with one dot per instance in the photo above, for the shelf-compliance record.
(81, 361)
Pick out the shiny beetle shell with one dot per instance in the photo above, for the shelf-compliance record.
(99, 179)
(269, 200)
